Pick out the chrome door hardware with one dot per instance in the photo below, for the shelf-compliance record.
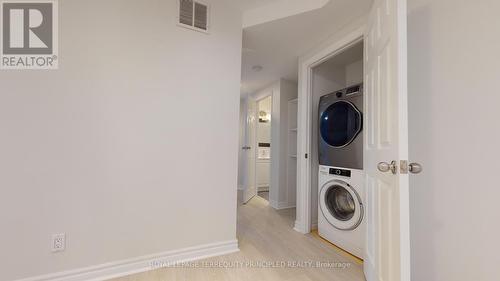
(414, 168)
(386, 167)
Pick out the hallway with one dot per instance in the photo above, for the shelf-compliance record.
(266, 237)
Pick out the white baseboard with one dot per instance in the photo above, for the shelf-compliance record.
(298, 227)
(263, 187)
(281, 205)
(273, 203)
(140, 264)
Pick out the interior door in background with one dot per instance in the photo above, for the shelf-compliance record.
(250, 189)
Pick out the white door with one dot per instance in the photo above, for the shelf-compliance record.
(387, 250)
(250, 148)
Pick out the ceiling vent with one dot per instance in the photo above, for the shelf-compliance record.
(193, 15)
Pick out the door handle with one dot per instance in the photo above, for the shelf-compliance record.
(415, 168)
(386, 167)
(246, 148)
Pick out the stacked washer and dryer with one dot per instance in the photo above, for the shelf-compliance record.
(341, 179)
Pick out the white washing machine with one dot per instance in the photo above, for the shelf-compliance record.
(341, 208)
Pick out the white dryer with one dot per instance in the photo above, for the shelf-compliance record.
(341, 208)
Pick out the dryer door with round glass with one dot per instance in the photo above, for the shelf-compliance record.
(341, 205)
(340, 124)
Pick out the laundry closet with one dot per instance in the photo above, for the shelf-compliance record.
(337, 185)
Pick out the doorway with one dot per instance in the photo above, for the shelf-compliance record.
(337, 138)
(268, 157)
(263, 159)
(307, 181)
(385, 148)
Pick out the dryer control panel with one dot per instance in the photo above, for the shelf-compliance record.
(340, 172)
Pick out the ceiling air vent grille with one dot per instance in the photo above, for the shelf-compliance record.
(193, 15)
(186, 12)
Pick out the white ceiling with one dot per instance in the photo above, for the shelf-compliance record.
(278, 9)
(252, 4)
(277, 45)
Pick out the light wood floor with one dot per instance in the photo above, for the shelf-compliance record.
(265, 234)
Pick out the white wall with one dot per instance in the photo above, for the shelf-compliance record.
(120, 147)
(454, 101)
(264, 129)
(354, 73)
(266, 104)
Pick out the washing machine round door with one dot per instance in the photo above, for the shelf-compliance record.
(340, 124)
(341, 205)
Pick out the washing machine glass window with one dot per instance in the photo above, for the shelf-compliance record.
(340, 124)
(340, 203)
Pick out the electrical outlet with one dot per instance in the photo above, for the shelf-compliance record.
(58, 242)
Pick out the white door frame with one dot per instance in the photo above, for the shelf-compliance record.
(303, 222)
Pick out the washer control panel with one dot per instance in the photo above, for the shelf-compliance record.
(340, 172)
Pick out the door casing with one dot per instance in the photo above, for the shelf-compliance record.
(303, 222)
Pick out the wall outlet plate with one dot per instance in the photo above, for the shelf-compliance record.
(58, 242)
